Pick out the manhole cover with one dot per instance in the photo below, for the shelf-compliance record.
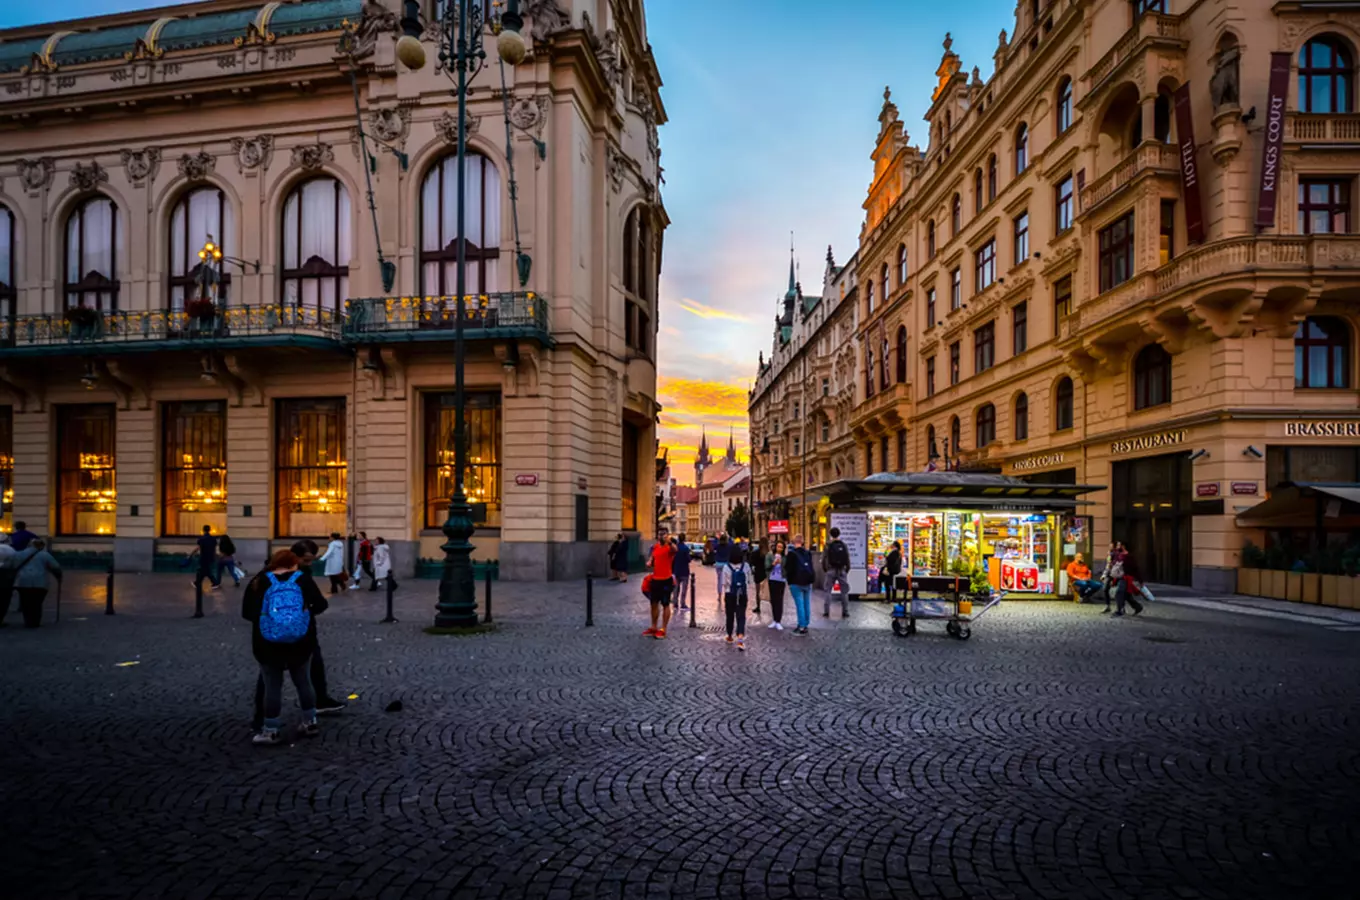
(1163, 639)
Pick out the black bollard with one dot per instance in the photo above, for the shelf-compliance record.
(108, 592)
(390, 618)
(692, 603)
(488, 595)
(590, 601)
(198, 598)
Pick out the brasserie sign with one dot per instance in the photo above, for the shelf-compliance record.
(1149, 442)
(1322, 429)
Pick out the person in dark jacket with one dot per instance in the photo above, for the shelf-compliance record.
(756, 557)
(207, 559)
(722, 555)
(893, 567)
(836, 563)
(680, 569)
(21, 537)
(618, 559)
(275, 659)
(32, 567)
(226, 559)
(1130, 585)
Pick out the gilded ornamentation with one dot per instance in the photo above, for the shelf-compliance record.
(252, 153)
(141, 164)
(36, 174)
(314, 156)
(196, 166)
(88, 178)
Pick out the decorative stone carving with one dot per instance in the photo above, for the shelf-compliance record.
(447, 126)
(616, 168)
(546, 18)
(252, 153)
(314, 156)
(375, 21)
(608, 54)
(389, 125)
(530, 113)
(88, 178)
(196, 166)
(36, 174)
(141, 164)
(1224, 85)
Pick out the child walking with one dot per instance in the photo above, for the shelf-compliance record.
(737, 572)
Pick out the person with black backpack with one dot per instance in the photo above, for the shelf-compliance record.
(799, 572)
(282, 607)
(836, 562)
(226, 559)
(738, 576)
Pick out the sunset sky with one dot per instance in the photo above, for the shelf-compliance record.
(773, 109)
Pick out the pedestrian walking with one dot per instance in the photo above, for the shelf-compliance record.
(683, 557)
(282, 604)
(7, 573)
(1129, 587)
(32, 567)
(756, 557)
(618, 559)
(1112, 574)
(661, 561)
(334, 561)
(836, 563)
(21, 537)
(722, 555)
(365, 561)
(206, 552)
(800, 576)
(382, 563)
(892, 567)
(739, 575)
(774, 562)
(226, 560)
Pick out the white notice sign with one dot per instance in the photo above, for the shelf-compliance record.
(855, 532)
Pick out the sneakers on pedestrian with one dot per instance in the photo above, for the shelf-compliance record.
(741, 643)
(650, 632)
(773, 625)
(330, 706)
(778, 626)
(729, 639)
(309, 729)
(217, 587)
(1104, 611)
(660, 634)
(845, 614)
(1119, 612)
(266, 737)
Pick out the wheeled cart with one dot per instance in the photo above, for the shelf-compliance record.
(951, 603)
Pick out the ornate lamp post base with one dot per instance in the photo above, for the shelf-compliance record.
(457, 606)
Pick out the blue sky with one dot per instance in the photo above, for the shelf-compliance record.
(773, 108)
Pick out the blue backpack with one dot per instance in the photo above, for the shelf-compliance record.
(738, 583)
(284, 618)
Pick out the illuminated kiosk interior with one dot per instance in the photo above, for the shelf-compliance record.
(1020, 534)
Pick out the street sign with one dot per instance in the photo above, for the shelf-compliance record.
(1245, 488)
(1206, 489)
(779, 526)
(528, 480)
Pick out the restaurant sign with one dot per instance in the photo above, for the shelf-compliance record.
(1245, 488)
(1149, 442)
(1206, 489)
(1038, 462)
(1322, 429)
(779, 526)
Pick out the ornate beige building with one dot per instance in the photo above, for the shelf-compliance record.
(1126, 259)
(288, 391)
(801, 405)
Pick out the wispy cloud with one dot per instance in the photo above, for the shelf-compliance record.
(703, 311)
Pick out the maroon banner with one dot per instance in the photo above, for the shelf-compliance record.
(1268, 197)
(1185, 132)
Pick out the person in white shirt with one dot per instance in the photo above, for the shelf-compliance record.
(334, 561)
(382, 562)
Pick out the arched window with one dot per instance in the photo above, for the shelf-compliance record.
(956, 215)
(885, 279)
(869, 295)
(200, 214)
(1064, 105)
(1021, 148)
(439, 227)
(955, 435)
(991, 178)
(930, 239)
(92, 244)
(977, 191)
(1022, 417)
(1322, 353)
(901, 265)
(8, 254)
(1326, 76)
(901, 354)
(1151, 377)
(1062, 404)
(316, 244)
(1161, 118)
(986, 424)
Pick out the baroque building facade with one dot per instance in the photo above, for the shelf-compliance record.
(302, 383)
(801, 406)
(1126, 259)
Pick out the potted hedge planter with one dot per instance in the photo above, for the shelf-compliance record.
(1312, 587)
(1277, 589)
(1249, 582)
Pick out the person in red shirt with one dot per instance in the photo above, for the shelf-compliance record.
(661, 563)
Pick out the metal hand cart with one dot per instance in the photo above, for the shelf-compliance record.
(952, 604)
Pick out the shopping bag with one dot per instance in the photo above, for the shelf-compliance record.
(239, 573)
(1143, 589)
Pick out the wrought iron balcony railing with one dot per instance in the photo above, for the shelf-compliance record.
(511, 314)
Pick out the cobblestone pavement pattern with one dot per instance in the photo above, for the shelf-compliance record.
(1057, 754)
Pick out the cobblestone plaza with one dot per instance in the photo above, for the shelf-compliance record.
(1058, 753)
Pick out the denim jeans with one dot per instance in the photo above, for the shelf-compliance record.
(736, 613)
(273, 692)
(682, 590)
(802, 603)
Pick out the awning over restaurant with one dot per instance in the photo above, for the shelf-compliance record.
(954, 490)
(1306, 505)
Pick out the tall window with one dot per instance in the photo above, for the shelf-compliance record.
(439, 227)
(991, 178)
(1326, 76)
(901, 265)
(200, 212)
(93, 241)
(883, 367)
(1021, 148)
(194, 468)
(1116, 252)
(316, 248)
(885, 279)
(954, 355)
(8, 253)
(977, 191)
(628, 479)
(930, 308)
(639, 278)
(1324, 206)
(868, 373)
(1166, 249)
(1322, 353)
(869, 459)
(311, 487)
(869, 295)
(86, 481)
(930, 377)
(955, 289)
(482, 477)
(956, 215)
(1064, 105)
(1022, 417)
(1020, 328)
(1062, 300)
(955, 435)
(1063, 397)
(932, 451)
(901, 354)
(984, 348)
(826, 430)
(902, 450)
(1064, 206)
(883, 458)
(6, 468)
(1151, 377)
(986, 424)
(984, 266)
(930, 239)
(1021, 238)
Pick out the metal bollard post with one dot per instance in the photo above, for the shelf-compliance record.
(488, 595)
(590, 601)
(108, 592)
(198, 599)
(692, 602)
(390, 618)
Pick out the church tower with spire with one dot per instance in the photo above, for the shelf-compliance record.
(731, 449)
(701, 459)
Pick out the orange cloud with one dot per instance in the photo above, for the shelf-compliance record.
(689, 406)
(703, 311)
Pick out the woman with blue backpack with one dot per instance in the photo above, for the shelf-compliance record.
(282, 605)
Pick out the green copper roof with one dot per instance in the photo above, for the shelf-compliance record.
(206, 31)
(15, 54)
(90, 46)
(317, 15)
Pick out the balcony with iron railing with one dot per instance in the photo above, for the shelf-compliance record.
(504, 315)
(1150, 157)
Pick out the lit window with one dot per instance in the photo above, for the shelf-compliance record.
(87, 494)
(482, 477)
(311, 487)
(194, 468)
(1166, 250)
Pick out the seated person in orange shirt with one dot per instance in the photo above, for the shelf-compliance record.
(1079, 574)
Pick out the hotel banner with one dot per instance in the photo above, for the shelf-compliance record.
(1185, 132)
(1268, 197)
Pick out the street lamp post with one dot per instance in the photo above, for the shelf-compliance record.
(461, 50)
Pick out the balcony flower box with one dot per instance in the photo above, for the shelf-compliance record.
(81, 316)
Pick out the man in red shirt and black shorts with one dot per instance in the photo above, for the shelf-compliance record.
(663, 583)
